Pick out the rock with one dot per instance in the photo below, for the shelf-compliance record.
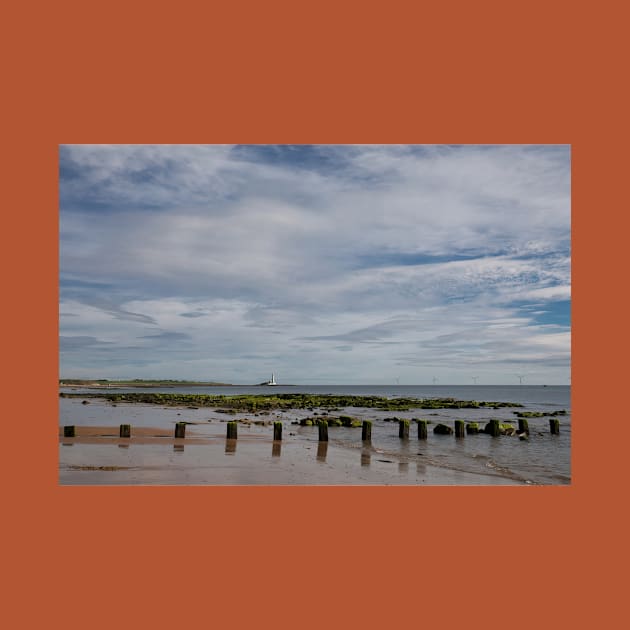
(442, 429)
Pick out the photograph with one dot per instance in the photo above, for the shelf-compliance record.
(315, 314)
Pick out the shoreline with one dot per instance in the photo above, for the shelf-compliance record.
(152, 456)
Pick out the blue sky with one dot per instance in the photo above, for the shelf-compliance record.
(321, 263)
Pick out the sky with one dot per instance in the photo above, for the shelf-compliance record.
(324, 264)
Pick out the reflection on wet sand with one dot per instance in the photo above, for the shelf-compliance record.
(421, 469)
(403, 467)
(366, 457)
(230, 447)
(178, 448)
(67, 444)
(276, 449)
(123, 446)
(322, 449)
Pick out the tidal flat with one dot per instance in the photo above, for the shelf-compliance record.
(152, 455)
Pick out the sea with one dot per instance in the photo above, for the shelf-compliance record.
(543, 459)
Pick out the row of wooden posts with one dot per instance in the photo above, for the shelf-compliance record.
(366, 431)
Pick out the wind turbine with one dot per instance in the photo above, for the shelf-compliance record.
(474, 378)
(435, 380)
(520, 378)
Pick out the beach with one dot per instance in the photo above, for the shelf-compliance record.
(154, 456)
(99, 457)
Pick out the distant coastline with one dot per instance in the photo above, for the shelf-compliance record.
(106, 384)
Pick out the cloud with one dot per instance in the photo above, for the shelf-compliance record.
(257, 256)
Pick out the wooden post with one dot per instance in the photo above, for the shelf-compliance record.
(323, 431)
(422, 429)
(366, 431)
(68, 431)
(277, 431)
(494, 428)
(554, 426)
(322, 449)
(403, 429)
(472, 428)
(460, 430)
(180, 429)
(523, 426)
(232, 430)
(125, 430)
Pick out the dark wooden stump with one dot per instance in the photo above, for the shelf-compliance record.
(125, 430)
(472, 428)
(460, 429)
(422, 429)
(366, 431)
(277, 431)
(554, 426)
(523, 426)
(322, 449)
(493, 428)
(323, 431)
(232, 430)
(69, 431)
(180, 429)
(403, 429)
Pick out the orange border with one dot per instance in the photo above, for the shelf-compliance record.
(323, 72)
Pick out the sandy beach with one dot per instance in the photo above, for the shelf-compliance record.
(152, 456)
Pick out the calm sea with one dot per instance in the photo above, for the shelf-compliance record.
(543, 459)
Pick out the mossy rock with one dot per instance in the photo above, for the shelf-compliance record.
(442, 429)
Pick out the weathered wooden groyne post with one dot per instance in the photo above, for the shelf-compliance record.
(69, 431)
(422, 429)
(472, 428)
(403, 429)
(554, 426)
(180, 429)
(322, 449)
(277, 431)
(232, 430)
(493, 428)
(523, 426)
(460, 430)
(366, 431)
(323, 431)
(125, 431)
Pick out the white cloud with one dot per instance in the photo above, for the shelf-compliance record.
(250, 258)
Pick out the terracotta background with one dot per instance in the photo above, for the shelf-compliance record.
(305, 72)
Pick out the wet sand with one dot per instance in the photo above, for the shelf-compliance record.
(152, 456)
